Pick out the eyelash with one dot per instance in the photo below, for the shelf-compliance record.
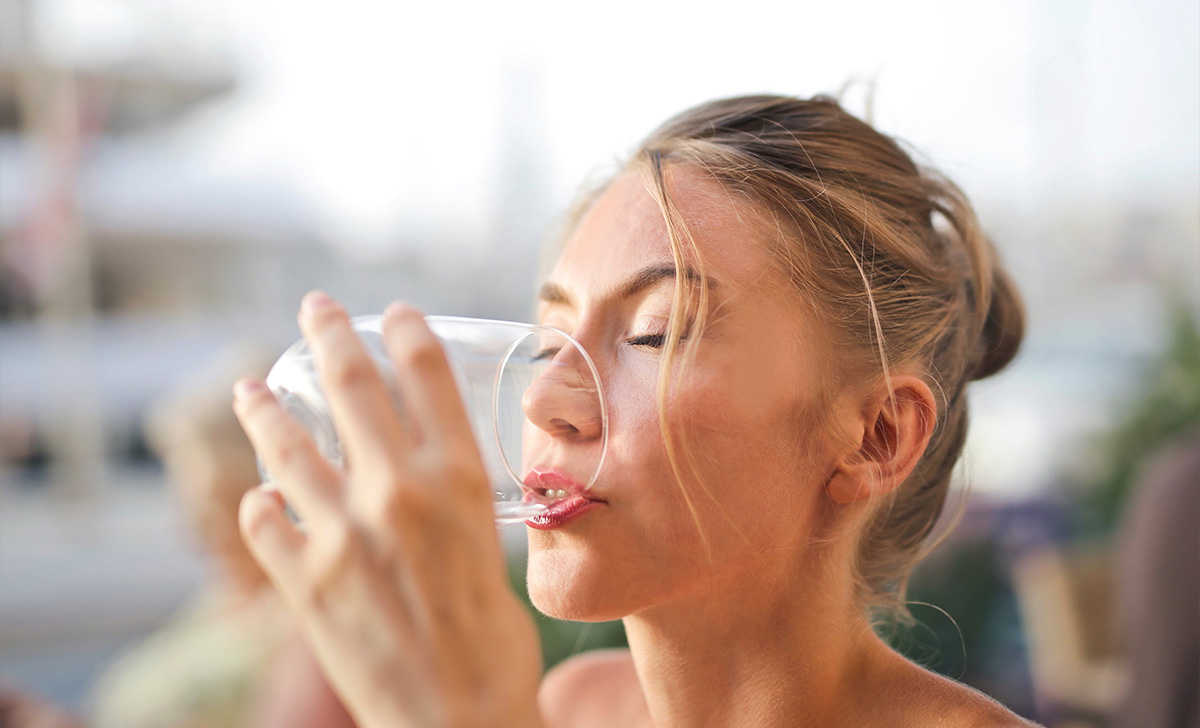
(653, 341)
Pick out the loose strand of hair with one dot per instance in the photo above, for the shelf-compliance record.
(667, 379)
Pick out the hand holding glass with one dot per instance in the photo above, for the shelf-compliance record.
(531, 392)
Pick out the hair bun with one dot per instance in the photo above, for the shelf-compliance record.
(1003, 329)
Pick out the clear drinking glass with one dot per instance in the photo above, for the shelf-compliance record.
(531, 392)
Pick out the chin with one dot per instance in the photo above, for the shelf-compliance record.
(566, 585)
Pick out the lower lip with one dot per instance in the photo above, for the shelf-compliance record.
(561, 513)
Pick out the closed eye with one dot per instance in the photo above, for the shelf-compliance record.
(654, 341)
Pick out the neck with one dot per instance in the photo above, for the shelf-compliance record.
(776, 654)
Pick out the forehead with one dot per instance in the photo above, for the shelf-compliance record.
(624, 231)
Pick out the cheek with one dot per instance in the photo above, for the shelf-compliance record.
(641, 461)
(741, 453)
(755, 438)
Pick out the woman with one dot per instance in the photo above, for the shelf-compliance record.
(785, 312)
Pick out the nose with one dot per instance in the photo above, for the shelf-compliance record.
(564, 400)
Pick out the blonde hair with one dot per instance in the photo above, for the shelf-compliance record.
(890, 255)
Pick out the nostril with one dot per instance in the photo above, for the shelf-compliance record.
(563, 426)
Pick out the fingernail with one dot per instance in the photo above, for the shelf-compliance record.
(398, 308)
(248, 386)
(315, 300)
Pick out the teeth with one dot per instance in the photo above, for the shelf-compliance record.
(553, 493)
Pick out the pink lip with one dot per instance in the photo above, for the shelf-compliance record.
(562, 511)
(550, 479)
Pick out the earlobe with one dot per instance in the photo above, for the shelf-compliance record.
(894, 431)
(849, 486)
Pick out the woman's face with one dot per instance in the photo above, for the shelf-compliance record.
(747, 409)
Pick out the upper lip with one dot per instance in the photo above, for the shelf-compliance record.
(543, 479)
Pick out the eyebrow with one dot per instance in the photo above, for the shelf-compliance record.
(552, 292)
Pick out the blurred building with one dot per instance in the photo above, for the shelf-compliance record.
(121, 262)
(125, 267)
(125, 261)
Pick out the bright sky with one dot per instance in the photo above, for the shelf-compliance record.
(394, 115)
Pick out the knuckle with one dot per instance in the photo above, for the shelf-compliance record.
(313, 593)
(405, 509)
(427, 494)
(291, 445)
(408, 504)
(333, 554)
(350, 371)
(465, 470)
(340, 543)
(452, 617)
(423, 353)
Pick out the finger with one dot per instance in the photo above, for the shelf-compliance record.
(423, 373)
(370, 427)
(310, 483)
(274, 542)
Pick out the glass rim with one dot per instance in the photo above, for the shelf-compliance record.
(375, 322)
(534, 329)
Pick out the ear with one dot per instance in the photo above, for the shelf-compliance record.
(891, 435)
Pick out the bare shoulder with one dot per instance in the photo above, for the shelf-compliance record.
(951, 704)
(597, 688)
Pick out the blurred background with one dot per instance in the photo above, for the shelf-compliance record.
(175, 174)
